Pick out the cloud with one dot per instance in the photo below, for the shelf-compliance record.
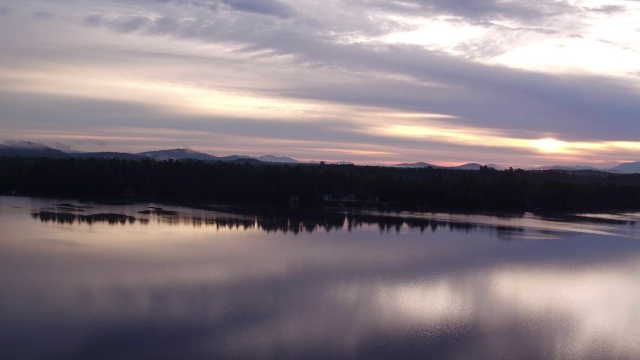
(264, 7)
(43, 15)
(93, 20)
(607, 9)
(164, 25)
(528, 11)
(129, 24)
(326, 71)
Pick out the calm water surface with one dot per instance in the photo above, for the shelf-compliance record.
(147, 281)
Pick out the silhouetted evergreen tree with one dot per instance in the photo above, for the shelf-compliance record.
(273, 184)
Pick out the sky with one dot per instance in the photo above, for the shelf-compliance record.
(514, 83)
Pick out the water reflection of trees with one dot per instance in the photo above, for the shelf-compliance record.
(295, 223)
(285, 222)
(89, 219)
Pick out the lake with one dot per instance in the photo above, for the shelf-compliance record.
(83, 280)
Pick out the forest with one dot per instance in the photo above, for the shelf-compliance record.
(245, 183)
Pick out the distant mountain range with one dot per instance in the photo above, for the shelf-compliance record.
(25, 148)
(278, 159)
(417, 165)
(469, 166)
(631, 167)
(563, 167)
(177, 154)
(183, 154)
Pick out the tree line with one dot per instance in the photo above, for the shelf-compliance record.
(275, 184)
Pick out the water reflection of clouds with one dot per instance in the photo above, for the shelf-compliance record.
(431, 287)
(601, 303)
(563, 313)
(597, 311)
(550, 314)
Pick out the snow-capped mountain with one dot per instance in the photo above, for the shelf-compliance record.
(631, 167)
(177, 154)
(416, 165)
(277, 159)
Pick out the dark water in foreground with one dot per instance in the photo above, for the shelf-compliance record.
(144, 281)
